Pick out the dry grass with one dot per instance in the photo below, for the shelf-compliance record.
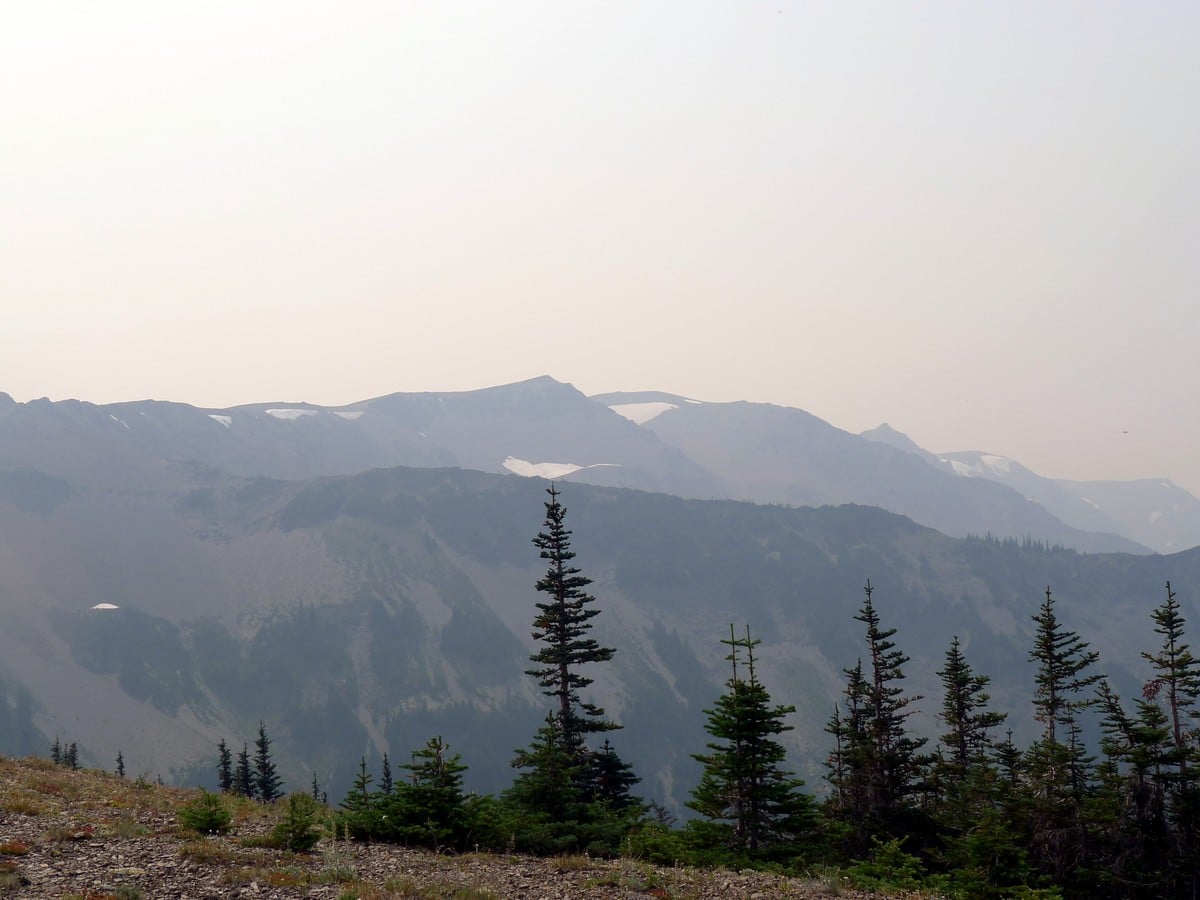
(573, 862)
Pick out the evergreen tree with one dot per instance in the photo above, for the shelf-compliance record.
(385, 777)
(610, 779)
(316, 788)
(1129, 808)
(893, 758)
(1063, 660)
(552, 784)
(360, 814)
(1155, 756)
(850, 760)
(224, 767)
(430, 807)
(56, 751)
(1059, 771)
(562, 624)
(1175, 667)
(360, 790)
(243, 776)
(744, 784)
(964, 771)
(267, 782)
(120, 764)
(71, 757)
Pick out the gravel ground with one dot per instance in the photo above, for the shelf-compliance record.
(92, 835)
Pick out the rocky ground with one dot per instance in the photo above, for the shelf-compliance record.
(93, 835)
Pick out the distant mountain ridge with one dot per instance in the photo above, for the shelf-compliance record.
(647, 440)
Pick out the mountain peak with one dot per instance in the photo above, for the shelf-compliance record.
(886, 434)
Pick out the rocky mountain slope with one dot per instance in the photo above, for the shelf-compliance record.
(364, 614)
(775, 454)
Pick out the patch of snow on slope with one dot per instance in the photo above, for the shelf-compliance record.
(1155, 516)
(960, 468)
(115, 419)
(224, 420)
(106, 606)
(351, 415)
(290, 415)
(998, 464)
(1091, 503)
(642, 412)
(545, 470)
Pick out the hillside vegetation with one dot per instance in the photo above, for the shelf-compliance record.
(88, 834)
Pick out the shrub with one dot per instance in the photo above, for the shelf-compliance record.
(656, 843)
(298, 830)
(206, 814)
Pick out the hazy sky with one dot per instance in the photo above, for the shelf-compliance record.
(978, 222)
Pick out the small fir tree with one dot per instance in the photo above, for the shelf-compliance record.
(1176, 683)
(896, 763)
(964, 773)
(359, 813)
(267, 782)
(56, 751)
(744, 785)
(243, 775)
(850, 760)
(224, 767)
(316, 788)
(385, 776)
(120, 764)
(1063, 661)
(71, 757)
(551, 786)
(430, 808)
(1057, 764)
(610, 779)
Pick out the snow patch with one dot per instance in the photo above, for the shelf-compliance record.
(641, 413)
(528, 469)
(224, 420)
(960, 468)
(115, 419)
(106, 606)
(1091, 503)
(349, 415)
(998, 464)
(290, 415)
(1155, 516)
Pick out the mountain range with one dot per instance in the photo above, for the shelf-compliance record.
(650, 441)
(361, 577)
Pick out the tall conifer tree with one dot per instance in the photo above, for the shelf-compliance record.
(561, 624)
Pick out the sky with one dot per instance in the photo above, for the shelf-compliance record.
(977, 222)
